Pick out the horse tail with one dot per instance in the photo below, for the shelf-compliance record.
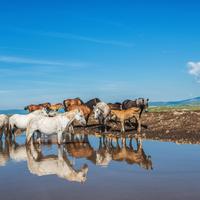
(65, 107)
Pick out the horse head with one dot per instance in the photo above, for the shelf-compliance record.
(26, 108)
(79, 116)
(97, 112)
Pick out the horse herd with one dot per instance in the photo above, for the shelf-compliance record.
(45, 118)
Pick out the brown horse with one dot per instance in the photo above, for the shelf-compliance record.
(33, 107)
(56, 107)
(85, 109)
(115, 106)
(45, 105)
(71, 102)
(123, 115)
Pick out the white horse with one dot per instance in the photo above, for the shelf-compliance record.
(3, 124)
(102, 113)
(52, 164)
(54, 125)
(21, 121)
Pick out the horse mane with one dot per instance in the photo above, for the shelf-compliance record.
(65, 107)
(80, 100)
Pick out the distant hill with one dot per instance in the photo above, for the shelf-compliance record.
(192, 102)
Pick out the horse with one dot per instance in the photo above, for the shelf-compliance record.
(102, 113)
(92, 102)
(59, 165)
(138, 103)
(45, 105)
(84, 108)
(3, 125)
(21, 121)
(33, 107)
(115, 106)
(56, 107)
(71, 102)
(54, 125)
(123, 115)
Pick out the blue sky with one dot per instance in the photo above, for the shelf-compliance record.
(52, 50)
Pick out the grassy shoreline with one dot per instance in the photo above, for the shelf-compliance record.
(174, 108)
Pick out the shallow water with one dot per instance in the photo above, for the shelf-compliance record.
(97, 169)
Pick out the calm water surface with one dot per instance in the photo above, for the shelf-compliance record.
(98, 169)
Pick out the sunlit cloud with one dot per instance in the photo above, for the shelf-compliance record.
(194, 70)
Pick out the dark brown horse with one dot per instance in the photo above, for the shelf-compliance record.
(72, 102)
(137, 103)
(33, 107)
(93, 102)
(115, 106)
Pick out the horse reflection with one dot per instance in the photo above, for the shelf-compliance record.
(4, 152)
(79, 147)
(107, 152)
(82, 148)
(41, 165)
(102, 155)
(131, 156)
(52, 164)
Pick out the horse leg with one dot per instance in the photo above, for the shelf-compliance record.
(60, 137)
(11, 127)
(86, 119)
(38, 137)
(100, 123)
(60, 153)
(130, 143)
(29, 133)
(6, 131)
(138, 124)
(1, 133)
(105, 124)
(122, 126)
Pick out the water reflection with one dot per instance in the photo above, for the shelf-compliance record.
(107, 151)
(101, 152)
(4, 153)
(54, 164)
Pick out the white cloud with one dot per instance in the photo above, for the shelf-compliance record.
(194, 69)
(11, 59)
(22, 60)
(77, 37)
